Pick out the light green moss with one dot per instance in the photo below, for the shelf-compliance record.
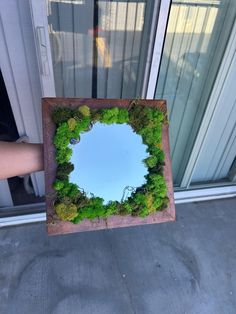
(66, 212)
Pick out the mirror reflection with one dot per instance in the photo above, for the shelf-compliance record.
(108, 159)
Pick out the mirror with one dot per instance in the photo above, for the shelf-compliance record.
(108, 159)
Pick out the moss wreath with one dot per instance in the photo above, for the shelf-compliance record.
(71, 203)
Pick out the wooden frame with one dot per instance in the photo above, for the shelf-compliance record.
(56, 226)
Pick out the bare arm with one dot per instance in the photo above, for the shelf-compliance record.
(20, 158)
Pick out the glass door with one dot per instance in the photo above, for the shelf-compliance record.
(104, 49)
(197, 36)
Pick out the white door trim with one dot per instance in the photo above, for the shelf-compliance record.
(210, 110)
(22, 219)
(158, 48)
(205, 194)
(180, 198)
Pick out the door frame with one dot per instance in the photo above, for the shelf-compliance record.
(19, 68)
(158, 31)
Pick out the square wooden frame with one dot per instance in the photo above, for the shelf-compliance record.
(56, 226)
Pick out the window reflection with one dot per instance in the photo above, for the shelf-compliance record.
(196, 39)
(98, 47)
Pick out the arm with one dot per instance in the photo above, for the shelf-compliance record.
(19, 159)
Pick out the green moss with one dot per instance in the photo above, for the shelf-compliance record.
(151, 136)
(71, 124)
(157, 184)
(66, 212)
(58, 185)
(63, 155)
(61, 115)
(95, 209)
(63, 170)
(69, 190)
(62, 136)
(84, 110)
(126, 208)
(109, 116)
(74, 205)
(123, 116)
(81, 126)
(157, 152)
(151, 161)
(112, 208)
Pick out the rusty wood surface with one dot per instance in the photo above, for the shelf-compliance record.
(56, 226)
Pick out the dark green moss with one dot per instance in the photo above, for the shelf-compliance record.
(61, 114)
(63, 170)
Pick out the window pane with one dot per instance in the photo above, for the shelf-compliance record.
(99, 48)
(197, 35)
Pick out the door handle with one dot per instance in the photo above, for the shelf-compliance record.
(42, 50)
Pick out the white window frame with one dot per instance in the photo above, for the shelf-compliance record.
(20, 73)
(153, 62)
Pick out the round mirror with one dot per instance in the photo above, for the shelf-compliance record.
(108, 159)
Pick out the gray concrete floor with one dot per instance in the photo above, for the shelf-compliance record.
(188, 266)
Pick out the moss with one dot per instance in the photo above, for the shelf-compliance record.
(69, 190)
(150, 203)
(84, 110)
(62, 136)
(126, 208)
(151, 161)
(151, 136)
(157, 152)
(71, 124)
(109, 116)
(147, 199)
(66, 212)
(157, 184)
(123, 116)
(61, 115)
(93, 210)
(63, 155)
(63, 170)
(95, 115)
(58, 185)
(81, 126)
(139, 205)
(112, 208)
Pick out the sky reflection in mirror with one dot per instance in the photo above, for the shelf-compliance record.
(107, 159)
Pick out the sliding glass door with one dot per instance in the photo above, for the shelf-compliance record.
(99, 48)
(197, 35)
(111, 49)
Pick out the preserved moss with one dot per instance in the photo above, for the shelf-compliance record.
(74, 205)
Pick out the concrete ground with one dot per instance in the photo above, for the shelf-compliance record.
(188, 266)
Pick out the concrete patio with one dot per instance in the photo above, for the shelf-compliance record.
(188, 266)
